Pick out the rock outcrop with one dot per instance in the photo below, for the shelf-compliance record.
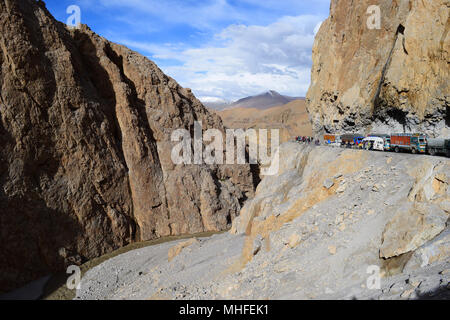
(85, 149)
(391, 79)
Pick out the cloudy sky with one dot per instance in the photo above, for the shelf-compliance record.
(221, 49)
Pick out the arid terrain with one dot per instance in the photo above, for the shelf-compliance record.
(87, 176)
(387, 79)
(291, 119)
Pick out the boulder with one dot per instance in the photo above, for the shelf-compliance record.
(412, 226)
(435, 251)
(327, 184)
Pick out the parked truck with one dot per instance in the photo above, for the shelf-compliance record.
(413, 142)
(329, 138)
(332, 140)
(438, 146)
(352, 140)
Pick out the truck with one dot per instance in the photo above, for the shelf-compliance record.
(332, 140)
(413, 142)
(329, 138)
(438, 146)
(352, 140)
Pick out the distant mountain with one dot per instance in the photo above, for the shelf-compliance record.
(262, 101)
(291, 119)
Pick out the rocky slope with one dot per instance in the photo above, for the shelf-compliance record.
(390, 79)
(310, 232)
(85, 148)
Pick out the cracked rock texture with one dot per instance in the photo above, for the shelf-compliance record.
(85, 163)
(391, 79)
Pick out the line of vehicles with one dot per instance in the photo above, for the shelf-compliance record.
(416, 143)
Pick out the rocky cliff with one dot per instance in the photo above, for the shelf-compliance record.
(85, 148)
(391, 79)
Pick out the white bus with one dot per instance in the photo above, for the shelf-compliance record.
(373, 143)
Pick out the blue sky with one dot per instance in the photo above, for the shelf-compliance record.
(221, 49)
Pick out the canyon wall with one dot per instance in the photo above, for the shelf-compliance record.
(391, 79)
(85, 149)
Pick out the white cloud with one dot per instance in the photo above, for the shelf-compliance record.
(245, 60)
(212, 100)
(229, 49)
(198, 14)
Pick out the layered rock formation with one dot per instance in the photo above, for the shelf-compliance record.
(85, 164)
(391, 79)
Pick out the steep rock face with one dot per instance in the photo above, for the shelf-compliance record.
(85, 148)
(390, 79)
